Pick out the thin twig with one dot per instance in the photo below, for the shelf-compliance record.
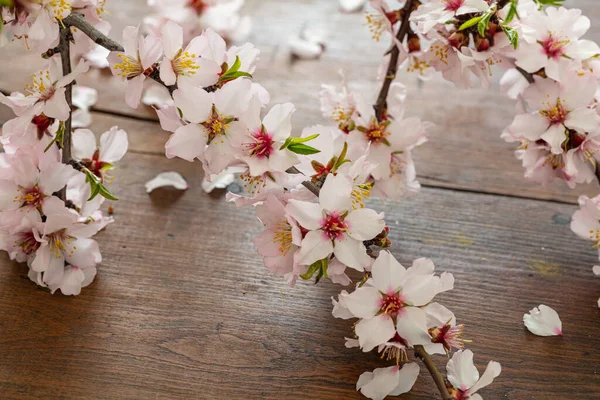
(65, 58)
(421, 354)
(381, 104)
(78, 21)
(525, 74)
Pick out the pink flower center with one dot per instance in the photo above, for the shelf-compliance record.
(555, 113)
(554, 47)
(95, 165)
(391, 304)
(262, 145)
(376, 132)
(199, 6)
(61, 243)
(449, 336)
(457, 394)
(454, 5)
(27, 243)
(31, 197)
(334, 226)
(42, 122)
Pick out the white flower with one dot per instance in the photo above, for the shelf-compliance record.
(543, 321)
(463, 375)
(334, 227)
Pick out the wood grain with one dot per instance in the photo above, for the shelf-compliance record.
(183, 308)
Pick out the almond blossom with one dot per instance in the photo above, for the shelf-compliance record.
(464, 377)
(388, 304)
(136, 62)
(553, 41)
(213, 118)
(64, 239)
(181, 64)
(334, 227)
(99, 159)
(46, 94)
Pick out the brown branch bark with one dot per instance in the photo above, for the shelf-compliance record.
(525, 74)
(381, 104)
(421, 354)
(314, 188)
(65, 58)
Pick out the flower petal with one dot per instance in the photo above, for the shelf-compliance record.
(308, 215)
(314, 247)
(462, 373)
(163, 179)
(374, 331)
(543, 321)
(388, 273)
(365, 224)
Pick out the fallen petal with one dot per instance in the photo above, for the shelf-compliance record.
(304, 49)
(163, 179)
(543, 321)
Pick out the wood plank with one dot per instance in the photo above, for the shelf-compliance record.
(183, 308)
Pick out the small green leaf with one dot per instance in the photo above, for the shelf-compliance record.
(556, 3)
(311, 270)
(300, 148)
(289, 141)
(104, 192)
(236, 65)
(472, 22)
(482, 25)
(95, 191)
(7, 3)
(512, 35)
(58, 138)
(512, 11)
(341, 160)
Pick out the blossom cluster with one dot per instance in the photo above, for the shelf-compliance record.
(310, 188)
(551, 70)
(49, 206)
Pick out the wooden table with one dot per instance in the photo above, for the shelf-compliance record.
(183, 308)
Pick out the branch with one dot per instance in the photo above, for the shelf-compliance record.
(65, 58)
(381, 104)
(77, 20)
(525, 74)
(421, 354)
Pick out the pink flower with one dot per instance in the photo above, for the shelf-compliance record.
(585, 222)
(133, 65)
(33, 182)
(553, 41)
(445, 334)
(99, 159)
(185, 66)
(558, 108)
(214, 125)
(438, 12)
(279, 242)
(464, 377)
(334, 227)
(388, 304)
(46, 94)
(63, 238)
(390, 381)
(259, 142)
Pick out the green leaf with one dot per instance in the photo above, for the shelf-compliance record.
(512, 11)
(300, 148)
(472, 22)
(95, 190)
(58, 138)
(104, 192)
(512, 35)
(482, 25)
(556, 3)
(341, 160)
(233, 72)
(289, 141)
(311, 270)
(6, 3)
